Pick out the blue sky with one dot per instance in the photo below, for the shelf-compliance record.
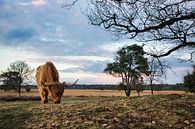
(40, 30)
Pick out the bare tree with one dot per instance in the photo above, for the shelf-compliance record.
(168, 21)
(69, 5)
(23, 69)
(156, 69)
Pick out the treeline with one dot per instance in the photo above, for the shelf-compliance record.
(157, 87)
(17, 87)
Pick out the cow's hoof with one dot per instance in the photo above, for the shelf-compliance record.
(44, 101)
(56, 102)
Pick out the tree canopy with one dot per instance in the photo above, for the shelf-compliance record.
(17, 72)
(168, 21)
(11, 80)
(189, 81)
(22, 68)
(129, 64)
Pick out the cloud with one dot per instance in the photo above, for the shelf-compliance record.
(177, 76)
(182, 70)
(89, 78)
(1, 2)
(95, 64)
(110, 48)
(35, 3)
(19, 34)
(56, 29)
(89, 66)
(38, 2)
(96, 67)
(72, 70)
(40, 30)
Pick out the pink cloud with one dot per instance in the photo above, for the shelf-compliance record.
(92, 50)
(35, 3)
(7, 25)
(38, 2)
(107, 79)
(182, 70)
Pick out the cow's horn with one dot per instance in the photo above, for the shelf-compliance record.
(71, 84)
(75, 82)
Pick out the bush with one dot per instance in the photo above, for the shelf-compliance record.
(121, 86)
(189, 81)
(27, 89)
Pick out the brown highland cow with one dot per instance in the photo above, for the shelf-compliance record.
(47, 79)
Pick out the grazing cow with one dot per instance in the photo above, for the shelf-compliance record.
(47, 79)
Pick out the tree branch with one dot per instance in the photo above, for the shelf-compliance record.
(174, 49)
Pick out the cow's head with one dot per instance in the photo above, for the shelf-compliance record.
(56, 90)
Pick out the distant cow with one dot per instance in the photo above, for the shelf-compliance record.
(47, 79)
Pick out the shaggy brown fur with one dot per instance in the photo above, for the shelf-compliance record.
(47, 79)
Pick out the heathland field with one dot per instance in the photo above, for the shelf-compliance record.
(93, 109)
(90, 93)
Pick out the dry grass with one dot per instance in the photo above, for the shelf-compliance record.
(89, 93)
(147, 112)
(113, 92)
(23, 93)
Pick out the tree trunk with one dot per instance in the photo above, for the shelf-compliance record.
(152, 88)
(128, 90)
(138, 93)
(19, 90)
(19, 86)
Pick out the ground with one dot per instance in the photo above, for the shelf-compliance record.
(72, 92)
(176, 111)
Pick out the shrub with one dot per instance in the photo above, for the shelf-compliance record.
(27, 89)
(189, 81)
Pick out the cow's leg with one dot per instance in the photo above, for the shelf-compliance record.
(44, 96)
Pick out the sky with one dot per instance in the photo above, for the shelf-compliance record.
(38, 31)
